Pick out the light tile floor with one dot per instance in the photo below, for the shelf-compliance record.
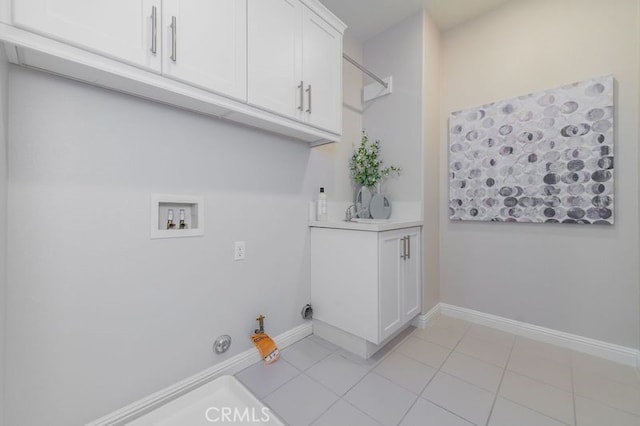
(452, 373)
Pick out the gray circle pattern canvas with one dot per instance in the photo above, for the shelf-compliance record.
(543, 157)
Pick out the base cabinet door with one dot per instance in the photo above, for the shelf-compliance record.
(205, 44)
(127, 30)
(390, 284)
(399, 279)
(411, 276)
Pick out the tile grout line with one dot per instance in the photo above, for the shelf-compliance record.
(571, 365)
(369, 371)
(484, 341)
(438, 370)
(276, 388)
(409, 409)
(542, 382)
(449, 411)
(573, 391)
(303, 372)
(573, 396)
(418, 396)
(300, 372)
(520, 403)
(325, 411)
(431, 379)
(504, 372)
(460, 378)
(359, 410)
(395, 350)
(610, 406)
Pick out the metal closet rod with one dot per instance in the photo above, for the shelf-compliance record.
(364, 70)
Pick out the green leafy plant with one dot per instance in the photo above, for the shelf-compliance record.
(366, 165)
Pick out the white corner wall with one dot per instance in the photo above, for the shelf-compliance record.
(4, 66)
(98, 314)
(578, 279)
(431, 164)
(397, 119)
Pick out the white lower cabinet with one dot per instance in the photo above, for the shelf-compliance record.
(366, 283)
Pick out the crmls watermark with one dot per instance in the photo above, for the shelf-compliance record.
(237, 415)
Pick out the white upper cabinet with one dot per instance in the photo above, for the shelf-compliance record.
(122, 29)
(272, 64)
(295, 63)
(205, 44)
(275, 60)
(322, 72)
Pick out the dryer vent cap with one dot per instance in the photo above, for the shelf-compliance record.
(307, 312)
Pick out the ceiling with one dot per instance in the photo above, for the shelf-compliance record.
(367, 18)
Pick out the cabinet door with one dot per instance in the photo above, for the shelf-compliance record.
(205, 44)
(121, 29)
(411, 277)
(322, 71)
(389, 290)
(275, 56)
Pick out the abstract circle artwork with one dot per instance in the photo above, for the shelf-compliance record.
(542, 157)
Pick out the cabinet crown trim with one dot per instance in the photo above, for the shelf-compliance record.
(325, 14)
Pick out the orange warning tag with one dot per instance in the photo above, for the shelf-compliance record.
(267, 347)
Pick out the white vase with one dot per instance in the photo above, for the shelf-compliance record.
(362, 201)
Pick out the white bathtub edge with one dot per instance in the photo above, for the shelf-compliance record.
(230, 366)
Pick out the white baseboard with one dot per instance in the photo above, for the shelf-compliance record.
(230, 366)
(421, 320)
(609, 351)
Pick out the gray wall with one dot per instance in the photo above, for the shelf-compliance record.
(3, 218)
(578, 279)
(396, 119)
(98, 314)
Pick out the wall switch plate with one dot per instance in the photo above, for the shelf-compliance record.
(239, 250)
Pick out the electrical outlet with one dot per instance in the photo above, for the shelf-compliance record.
(239, 250)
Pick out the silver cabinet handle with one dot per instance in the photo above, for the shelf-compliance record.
(403, 254)
(309, 92)
(408, 246)
(301, 87)
(154, 30)
(174, 45)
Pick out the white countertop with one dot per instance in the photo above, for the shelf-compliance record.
(367, 224)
